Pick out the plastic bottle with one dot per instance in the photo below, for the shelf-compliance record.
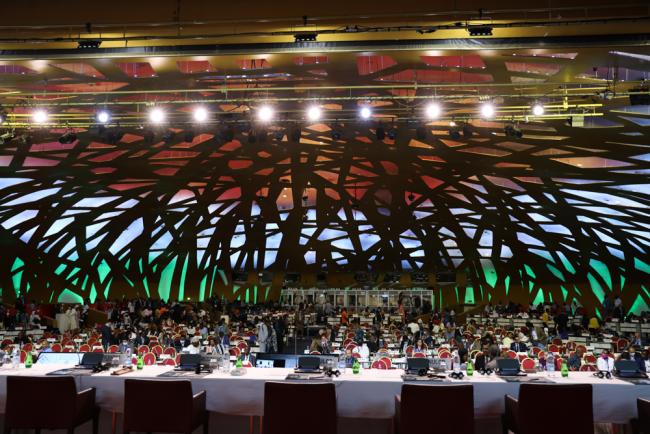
(28, 360)
(239, 364)
(140, 364)
(469, 368)
(565, 369)
(456, 364)
(356, 366)
(342, 363)
(15, 359)
(128, 363)
(550, 364)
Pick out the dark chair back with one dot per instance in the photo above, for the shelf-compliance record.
(452, 413)
(573, 401)
(643, 419)
(299, 408)
(158, 406)
(40, 402)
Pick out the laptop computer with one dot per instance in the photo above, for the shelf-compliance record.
(188, 362)
(308, 365)
(509, 368)
(628, 369)
(416, 365)
(91, 360)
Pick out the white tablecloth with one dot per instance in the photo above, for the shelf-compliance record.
(368, 395)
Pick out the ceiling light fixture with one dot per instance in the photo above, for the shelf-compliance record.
(200, 114)
(433, 110)
(40, 116)
(365, 112)
(538, 109)
(487, 110)
(103, 117)
(157, 115)
(314, 113)
(265, 113)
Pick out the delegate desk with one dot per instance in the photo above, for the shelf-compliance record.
(368, 395)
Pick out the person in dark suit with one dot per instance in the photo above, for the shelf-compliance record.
(107, 334)
(518, 346)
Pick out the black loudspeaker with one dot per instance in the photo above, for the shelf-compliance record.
(309, 362)
(380, 133)
(92, 359)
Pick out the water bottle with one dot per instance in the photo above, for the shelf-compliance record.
(456, 364)
(128, 363)
(15, 359)
(469, 368)
(342, 364)
(225, 362)
(356, 366)
(239, 364)
(28, 360)
(140, 364)
(565, 369)
(550, 364)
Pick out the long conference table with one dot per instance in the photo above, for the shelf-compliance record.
(369, 395)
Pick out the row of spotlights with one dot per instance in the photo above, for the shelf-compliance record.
(266, 113)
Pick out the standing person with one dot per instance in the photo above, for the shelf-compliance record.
(107, 334)
(262, 336)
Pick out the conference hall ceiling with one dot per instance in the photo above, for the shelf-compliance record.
(553, 206)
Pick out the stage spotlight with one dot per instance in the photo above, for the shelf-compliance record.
(168, 136)
(305, 37)
(365, 112)
(157, 116)
(40, 116)
(433, 110)
(487, 110)
(89, 44)
(67, 138)
(314, 113)
(467, 131)
(538, 110)
(200, 114)
(265, 113)
(512, 130)
(103, 117)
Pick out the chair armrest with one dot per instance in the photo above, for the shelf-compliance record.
(511, 416)
(198, 407)
(85, 404)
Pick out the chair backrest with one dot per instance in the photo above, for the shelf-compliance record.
(453, 410)
(312, 408)
(169, 401)
(643, 411)
(149, 359)
(113, 349)
(556, 399)
(54, 397)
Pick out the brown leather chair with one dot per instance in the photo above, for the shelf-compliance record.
(641, 424)
(163, 406)
(299, 408)
(452, 413)
(571, 402)
(48, 403)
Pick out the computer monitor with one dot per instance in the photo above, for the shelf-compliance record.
(189, 361)
(91, 360)
(416, 364)
(507, 366)
(59, 359)
(309, 362)
(626, 368)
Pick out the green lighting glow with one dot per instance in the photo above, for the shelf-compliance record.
(557, 273)
(602, 270)
(165, 284)
(641, 266)
(507, 283)
(596, 288)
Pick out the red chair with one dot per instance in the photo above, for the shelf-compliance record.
(590, 358)
(356, 355)
(419, 355)
(56, 348)
(169, 362)
(347, 342)
(588, 368)
(522, 414)
(315, 353)
(85, 348)
(622, 344)
(59, 404)
(23, 356)
(28, 347)
(521, 357)
(234, 351)
(409, 350)
(511, 354)
(157, 350)
(378, 364)
(444, 355)
(113, 349)
(528, 364)
(98, 350)
(582, 347)
(541, 355)
(300, 398)
(177, 359)
(176, 409)
(453, 412)
(68, 350)
(7, 342)
(536, 350)
(553, 348)
(171, 351)
(387, 362)
(149, 359)
(557, 341)
(143, 349)
(243, 346)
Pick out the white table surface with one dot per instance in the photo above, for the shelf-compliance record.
(368, 395)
